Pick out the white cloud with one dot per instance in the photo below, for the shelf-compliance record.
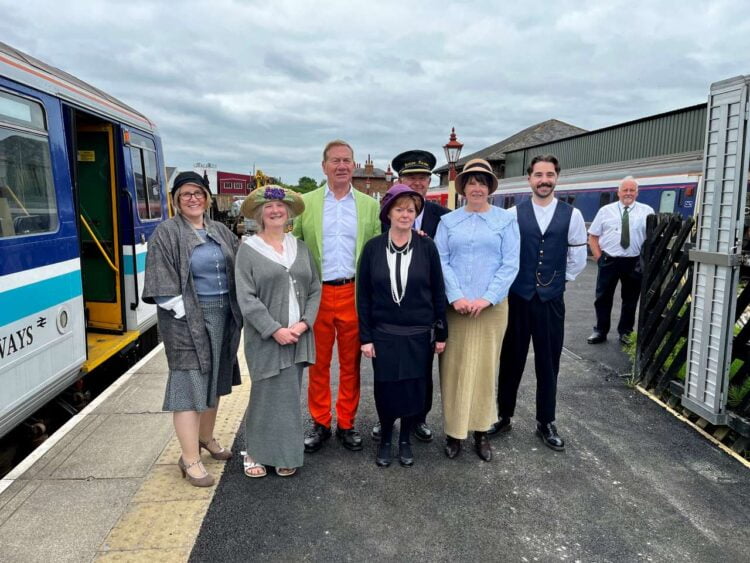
(243, 82)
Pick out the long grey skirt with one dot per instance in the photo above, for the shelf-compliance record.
(273, 424)
(190, 390)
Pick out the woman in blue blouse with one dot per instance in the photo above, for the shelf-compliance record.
(479, 247)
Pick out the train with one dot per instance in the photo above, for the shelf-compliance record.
(669, 184)
(82, 188)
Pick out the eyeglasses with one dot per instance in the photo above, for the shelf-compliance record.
(185, 196)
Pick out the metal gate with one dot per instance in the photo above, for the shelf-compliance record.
(718, 250)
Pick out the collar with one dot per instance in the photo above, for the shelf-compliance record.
(549, 208)
(327, 191)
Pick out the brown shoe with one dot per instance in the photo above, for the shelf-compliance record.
(482, 446)
(220, 453)
(205, 481)
(452, 447)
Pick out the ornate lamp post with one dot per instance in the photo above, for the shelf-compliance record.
(452, 152)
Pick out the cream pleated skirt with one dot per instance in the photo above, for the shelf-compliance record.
(469, 370)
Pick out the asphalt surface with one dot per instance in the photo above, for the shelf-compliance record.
(634, 484)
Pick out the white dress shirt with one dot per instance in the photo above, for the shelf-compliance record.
(577, 254)
(418, 220)
(339, 236)
(607, 225)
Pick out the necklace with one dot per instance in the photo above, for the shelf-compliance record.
(398, 267)
(392, 246)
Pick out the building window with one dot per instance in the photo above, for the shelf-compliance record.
(226, 185)
(238, 185)
(28, 203)
(148, 190)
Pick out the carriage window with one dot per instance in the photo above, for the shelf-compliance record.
(148, 190)
(27, 191)
(509, 201)
(605, 198)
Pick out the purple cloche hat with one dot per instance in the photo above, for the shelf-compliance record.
(393, 194)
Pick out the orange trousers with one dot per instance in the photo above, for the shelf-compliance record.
(336, 321)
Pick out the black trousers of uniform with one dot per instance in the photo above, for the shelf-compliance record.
(612, 270)
(541, 322)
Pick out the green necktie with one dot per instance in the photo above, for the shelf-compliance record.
(625, 232)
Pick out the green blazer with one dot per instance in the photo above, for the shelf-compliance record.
(309, 226)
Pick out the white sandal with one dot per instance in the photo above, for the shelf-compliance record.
(286, 471)
(249, 465)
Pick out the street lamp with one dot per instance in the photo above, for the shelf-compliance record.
(452, 152)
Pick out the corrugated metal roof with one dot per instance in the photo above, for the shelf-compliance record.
(678, 131)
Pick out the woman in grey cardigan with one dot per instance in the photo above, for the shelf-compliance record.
(278, 292)
(190, 275)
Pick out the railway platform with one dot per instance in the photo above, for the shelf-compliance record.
(634, 484)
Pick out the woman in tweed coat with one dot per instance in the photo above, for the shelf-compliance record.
(279, 293)
(190, 275)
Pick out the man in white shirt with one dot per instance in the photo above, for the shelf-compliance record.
(615, 237)
(553, 252)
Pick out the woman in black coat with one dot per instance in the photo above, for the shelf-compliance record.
(401, 306)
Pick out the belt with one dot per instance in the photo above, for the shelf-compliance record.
(340, 281)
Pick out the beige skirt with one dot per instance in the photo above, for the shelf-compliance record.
(469, 370)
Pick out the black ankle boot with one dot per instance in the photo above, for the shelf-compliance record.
(405, 457)
(383, 457)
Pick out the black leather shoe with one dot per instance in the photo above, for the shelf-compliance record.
(625, 339)
(452, 447)
(376, 432)
(350, 438)
(596, 337)
(405, 457)
(315, 438)
(500, 427)
(482, 446)
(550, 437)
(383, 457)
(422, 432)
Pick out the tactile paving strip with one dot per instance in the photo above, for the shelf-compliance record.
(164, 516)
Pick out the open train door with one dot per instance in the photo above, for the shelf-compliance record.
(97, 207)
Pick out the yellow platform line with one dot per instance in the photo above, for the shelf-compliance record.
(102, 347)
(695, 427)
(162, 520)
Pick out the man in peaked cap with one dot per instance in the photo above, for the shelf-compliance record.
(414, 169)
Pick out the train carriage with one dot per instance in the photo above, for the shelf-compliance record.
(82, 188)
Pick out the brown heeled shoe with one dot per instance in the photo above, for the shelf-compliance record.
(222, 454)
(205, 481)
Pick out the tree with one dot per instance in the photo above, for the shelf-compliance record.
(306, 184)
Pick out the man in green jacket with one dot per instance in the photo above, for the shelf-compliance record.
(337, 222)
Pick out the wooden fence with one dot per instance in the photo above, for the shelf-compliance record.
(664, 318)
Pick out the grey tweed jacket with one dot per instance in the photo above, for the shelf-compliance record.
(168, 274)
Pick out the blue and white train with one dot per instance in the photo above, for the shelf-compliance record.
(82, 188)
(669, 184)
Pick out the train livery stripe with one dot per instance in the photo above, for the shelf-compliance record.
(26, 300)
(33, 275)
(140, 263)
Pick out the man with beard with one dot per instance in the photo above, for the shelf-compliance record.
(615, 237)
(415, 170)
(553, 252)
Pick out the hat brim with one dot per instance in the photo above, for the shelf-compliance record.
(386, 209)
(252, 203)
(461, 180)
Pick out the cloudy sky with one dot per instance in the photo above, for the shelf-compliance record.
(243, 83)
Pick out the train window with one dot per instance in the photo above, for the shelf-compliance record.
(666, 202)
(509, 201)
(27, 191)
(148, 190)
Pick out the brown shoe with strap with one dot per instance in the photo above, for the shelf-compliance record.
(205, 481)
(222, 454)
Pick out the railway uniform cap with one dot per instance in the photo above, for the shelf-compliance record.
(414, 162)
(266, 194)
(476, 165)
(190, 178)
(393, 193)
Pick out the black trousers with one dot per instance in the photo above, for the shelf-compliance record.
(428, 398)
(612, 270)
(541, 322)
